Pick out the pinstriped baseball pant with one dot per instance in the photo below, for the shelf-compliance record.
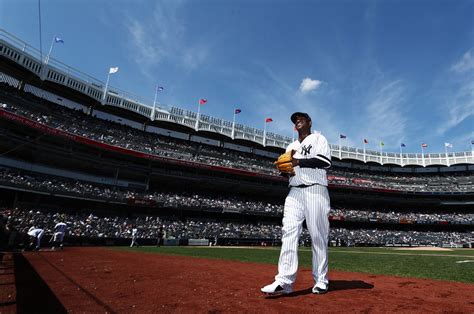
(310, 203)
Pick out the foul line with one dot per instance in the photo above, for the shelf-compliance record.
(405, 254)
(330, 251)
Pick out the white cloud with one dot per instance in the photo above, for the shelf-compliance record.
(195, 57)
(384, 117)
(282, 102)
(460, 103)
(460, 107)
(465, 64)
(160, 37)
(307, 85)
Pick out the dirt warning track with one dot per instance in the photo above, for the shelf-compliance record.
(104, 280)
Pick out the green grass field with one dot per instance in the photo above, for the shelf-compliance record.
(440, 265)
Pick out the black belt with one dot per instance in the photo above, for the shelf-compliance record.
(302, 185)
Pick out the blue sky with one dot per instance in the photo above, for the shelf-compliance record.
(391, 71)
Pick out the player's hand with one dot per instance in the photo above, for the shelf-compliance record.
(284, 163)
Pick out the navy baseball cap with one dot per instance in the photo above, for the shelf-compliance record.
(300, 114)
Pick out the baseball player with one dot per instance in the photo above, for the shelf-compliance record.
(36, 234)
(59, 232)
(304, 162)
(134, 236)
(160, 236)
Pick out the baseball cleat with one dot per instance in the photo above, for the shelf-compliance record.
(277, 288)
(320, 288)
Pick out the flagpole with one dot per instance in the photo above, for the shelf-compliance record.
(401, 155)
(422, 155)
(365, 160)
(381, 152)
(265, 133)
(105, 89)
(233, 125)
(446, 151)
(340, 149)
(154, 105)
(46, 59)
(198, 114)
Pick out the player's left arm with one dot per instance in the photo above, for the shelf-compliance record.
(320, 157)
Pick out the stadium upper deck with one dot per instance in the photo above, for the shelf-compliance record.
(22, 68)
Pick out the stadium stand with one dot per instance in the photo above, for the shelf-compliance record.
(91, 225)
(223, 203)
(131, 139)
(104, 164)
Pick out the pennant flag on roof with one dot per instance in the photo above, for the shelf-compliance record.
(268, 120)
(58, 40)
(402, 145)
(113, 70)
(424, 145)
(237, 111)
(160, 88)
(342, 136)
(202, 101)
(449, 145)
(382, 144)
(365, 141)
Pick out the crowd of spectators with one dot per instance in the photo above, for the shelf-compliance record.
(217, 202)
(51, 184)
(79, 123)
(413, 183)
(376, 237)
(400, 217)
(92, 225)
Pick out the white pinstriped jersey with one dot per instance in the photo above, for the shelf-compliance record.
(60, 227)
(313, 146)
(34, 232)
